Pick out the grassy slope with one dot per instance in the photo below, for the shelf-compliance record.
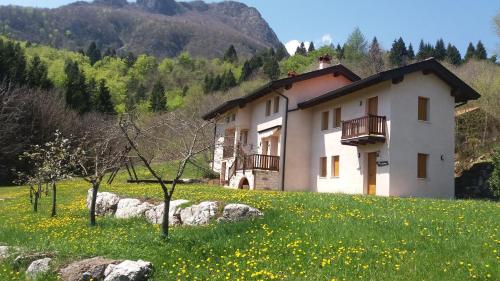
(303, 236)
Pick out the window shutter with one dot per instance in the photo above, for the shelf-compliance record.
(322, 164)
(276, 104)
(268, 107)
(422, 166)
(337, 117)
(335, 166)
(422, 108)
(324, 120)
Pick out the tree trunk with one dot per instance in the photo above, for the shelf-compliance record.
(35, 204)
(166, 211)
(54, 189)
(95, 188)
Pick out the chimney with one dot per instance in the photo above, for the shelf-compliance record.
(324, 61)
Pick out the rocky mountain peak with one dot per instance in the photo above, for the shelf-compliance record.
(165, 7)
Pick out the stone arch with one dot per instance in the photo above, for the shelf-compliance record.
(244, 183)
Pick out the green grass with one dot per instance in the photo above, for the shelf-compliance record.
(303, 236)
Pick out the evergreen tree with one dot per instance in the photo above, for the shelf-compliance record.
(158, 102)
(246, 71)
(76, 92)
(453, 55)
(480, 51)
(375, 57)
(493, 59)
(281, 52)
(272, 69)
(36, 76)
(130, 59)
(103, 102)
(339, 52)
(411, 53)
(355, 46)
(311, 47)
(140, 93)
(228, 80)
(231, 55)
(439, 50)
(470, 53)
(398, 54)
(425, 51)
(93, 53)
(301, 50)
(110, 52)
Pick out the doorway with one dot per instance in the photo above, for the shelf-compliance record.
(372, 106)
(244, 184)
(372, 173)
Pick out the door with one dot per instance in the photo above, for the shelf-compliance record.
(372, 173)
(223, 173)
(372, 106)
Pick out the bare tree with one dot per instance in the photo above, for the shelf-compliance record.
(171, 137)
(99, 152)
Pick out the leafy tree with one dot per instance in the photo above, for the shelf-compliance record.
(493, 59)
(281, 52)
(311, 47)
(375, 57)
(272, 69)
(480, 51)
(470, 53)
(76, 92)
(398, 53)
(355, 46)
(158, 102)
(411, 53)
(103, 102)
(231, 55)
(440, 50)
(130, 59)
(340, 52)
(453, 55)
(301, 50)
(37, 75)
(93, 53)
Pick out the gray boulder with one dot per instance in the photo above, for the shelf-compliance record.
(155, 214)
(4, 252)
(86, 270)
(199, 214)
(129, 271)
(27, 258)
(235, 212)
(106, 202)
(37, 267)
(131, 208)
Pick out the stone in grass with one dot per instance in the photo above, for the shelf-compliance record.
(129, 271)
(236, 212)
(4, 252)
(131, 208)
(38, 267)
(26, 259)
(85, 270)
(199, 214)
(106, 202)
(155, 214)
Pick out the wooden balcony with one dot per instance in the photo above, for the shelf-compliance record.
(364, 130)
(254, 162)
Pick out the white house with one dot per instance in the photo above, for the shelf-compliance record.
(390, 134)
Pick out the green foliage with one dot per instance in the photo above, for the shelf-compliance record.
(103, 101)
(480, 53)
(231, 55)
(355, 46)
(158, 101)
(301, 50)
(311, 47)
(37, 75)
(272, 69)
(375, 58)
(439, 50)
(281, 52)
(76, 91)
(453, 55)
(12, 62)
(425, 50)
(340, 52)
(398, 52)
(93, 53)
(494, 180)
(470, 53)
(411, 52)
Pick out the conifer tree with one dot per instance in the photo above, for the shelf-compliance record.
(470, 53)
(228, 80)
(231, 55)
(398, 53)
(439, 50)
(480, 51)
(453, 55)
(158, 102)
(93, 53)
(76, 92)
(425, 50)
(281, 53)
(272, 69)
(130, 59)
(375, 57)
(103, 102)
(246, 71)
(339, 52)
(311, 47)
(411, 53)
(355, 46)
(36, 76)
(301, 50)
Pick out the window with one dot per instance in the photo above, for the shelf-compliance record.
(322, 167)
(233, 116)
(244, 137)
(324, 120)
(268, 107)
(422, 165)
(337, 117)
(276, 104)
(335, 166)
(423, 109)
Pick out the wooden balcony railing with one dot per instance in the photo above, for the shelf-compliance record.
(254, 162)
(367, 129)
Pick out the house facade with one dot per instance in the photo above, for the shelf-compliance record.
(390, 134)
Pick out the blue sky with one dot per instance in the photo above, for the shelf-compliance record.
(456, 21)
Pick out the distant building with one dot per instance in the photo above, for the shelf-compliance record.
(390, 134)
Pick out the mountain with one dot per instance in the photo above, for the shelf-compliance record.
(163, 28)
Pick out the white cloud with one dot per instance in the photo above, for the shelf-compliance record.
(326, 39)
(291, 46)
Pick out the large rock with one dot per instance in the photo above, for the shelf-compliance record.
(106, 202)
(85, 270)
(129, 271)
(4, 252)
(37, 267)
(26, 259)
(199, 214)
(235, 212)
(155, 214)
(131, 208)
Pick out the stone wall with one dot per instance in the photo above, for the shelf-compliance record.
(266, 180)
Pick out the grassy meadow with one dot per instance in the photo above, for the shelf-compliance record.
(303, 236)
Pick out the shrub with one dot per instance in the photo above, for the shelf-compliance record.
(494, 180)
